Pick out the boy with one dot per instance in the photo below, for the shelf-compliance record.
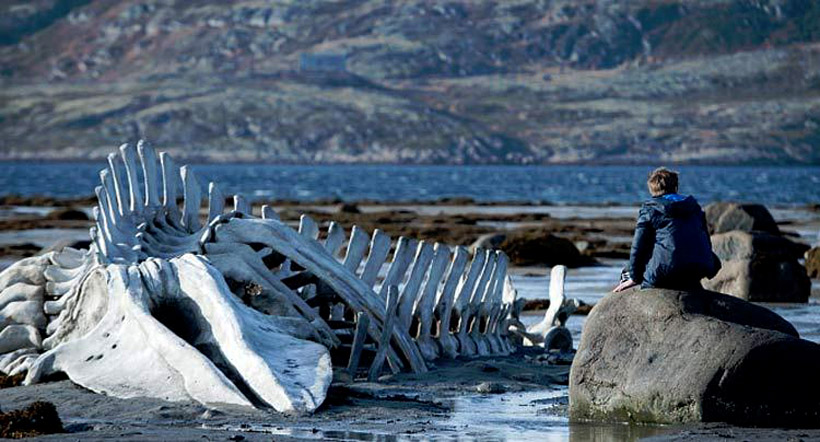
(671, 248)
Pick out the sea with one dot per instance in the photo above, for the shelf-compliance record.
(558, 184)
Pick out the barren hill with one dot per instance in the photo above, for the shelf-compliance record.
(419, 81)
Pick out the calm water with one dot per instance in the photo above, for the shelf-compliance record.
(558, 184)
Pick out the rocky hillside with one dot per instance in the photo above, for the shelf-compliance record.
(480, 81)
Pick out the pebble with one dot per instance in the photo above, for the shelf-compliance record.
(490, 388)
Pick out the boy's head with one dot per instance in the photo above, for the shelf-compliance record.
(662, 181)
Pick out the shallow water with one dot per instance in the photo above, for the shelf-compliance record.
(532, 416)
(519, 416)
(42, 237)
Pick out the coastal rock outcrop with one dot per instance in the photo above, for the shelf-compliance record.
(728, 216)
(759, 266)
(669, 357)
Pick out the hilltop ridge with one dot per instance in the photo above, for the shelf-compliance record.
(524, 81)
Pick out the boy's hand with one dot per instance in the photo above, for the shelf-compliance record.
(628, 284)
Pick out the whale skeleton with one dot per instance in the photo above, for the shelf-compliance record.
(241, 309)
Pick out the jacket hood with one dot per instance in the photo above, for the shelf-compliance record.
(674, 205)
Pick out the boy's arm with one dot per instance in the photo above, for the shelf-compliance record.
(642, 245)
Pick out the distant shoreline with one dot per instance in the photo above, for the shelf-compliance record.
(195, 161)
(40, 200)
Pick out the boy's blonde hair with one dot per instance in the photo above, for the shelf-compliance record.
(662, 181)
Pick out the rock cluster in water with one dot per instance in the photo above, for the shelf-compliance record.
(759, 262)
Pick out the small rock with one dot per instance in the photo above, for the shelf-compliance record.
(68, 214)
(342, 376)
(490, 388)
(524, 377)
(536, 304)
(349, 208)
(210, 414)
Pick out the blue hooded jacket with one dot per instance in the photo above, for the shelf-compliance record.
(671, 248)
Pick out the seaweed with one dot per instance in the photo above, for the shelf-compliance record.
(37, 419)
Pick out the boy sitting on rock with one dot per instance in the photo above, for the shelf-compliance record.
(671, 248)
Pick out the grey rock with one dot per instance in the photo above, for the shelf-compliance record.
(68, 214)
(211, 413)
(760, 267)
(666, 356)
(490, 388)
(727, 216)
(527, 248)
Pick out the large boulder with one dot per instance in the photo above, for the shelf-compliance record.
(759, 267)
(665, 356)
(726, 216)
(813, 262)
(534, 247)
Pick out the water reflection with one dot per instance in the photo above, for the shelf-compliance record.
(516, 416)
(583, 432)
(574, 432)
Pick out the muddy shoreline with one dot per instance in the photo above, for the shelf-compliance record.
(402, 405)
(596, 231)
(526, 400)
(521, 397)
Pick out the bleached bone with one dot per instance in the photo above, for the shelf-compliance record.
(461, 308)
(491, 307)
(256, 298)
(510, 316)
(384, 339)
(312, 256)
(359, 240)
(214, 338)
(269, 213)
(407, 298)
(19, 336)
(359, 336)
(424, 305)
(469, 347)
(379, 249)
(402, 257)
(551, 332)
(135, 228)
(444, 305)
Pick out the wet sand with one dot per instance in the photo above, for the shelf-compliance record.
(435, 405)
